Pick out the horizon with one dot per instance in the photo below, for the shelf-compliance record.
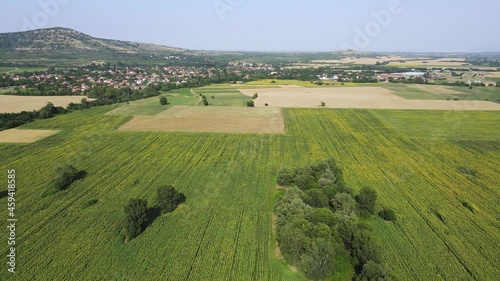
(388, 26)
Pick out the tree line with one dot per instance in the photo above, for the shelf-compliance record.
(12, 120)
(318, 221)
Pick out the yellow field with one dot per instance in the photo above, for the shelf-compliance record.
(14, 104)
(356, 97)
(24, 136)
(211, 119)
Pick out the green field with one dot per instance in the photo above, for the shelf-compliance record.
(464, 93)
(152, 106)
(4, 69)
(223, 96)
(453, 125)
(224, 230)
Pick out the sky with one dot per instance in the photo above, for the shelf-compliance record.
(272, 25)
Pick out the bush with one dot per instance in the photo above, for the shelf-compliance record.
(250, 103)
(388, 215)
(323, 104)
(66, 175)
(366, 201)
(135, 217)
(163, 100)
(168, 198)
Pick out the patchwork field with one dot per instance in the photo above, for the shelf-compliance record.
(447, 227)
(24, 136)
(357, 97)
(13, 104)
(211, 119)
(152, 106)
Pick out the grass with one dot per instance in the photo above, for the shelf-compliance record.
(4, 69)
(152, 106)
(223, 96)
(479, 93)
(4, 91)
(223, 231)
(410, 93)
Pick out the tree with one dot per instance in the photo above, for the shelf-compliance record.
(322, 215)
(256, 95)
(373, 271)
(315, 198)
(163, 100)
(47, 111)
(205, 101)
(250, 103)
(168, 198)
(364, 247)
(498, 84)
(318, 260)
(323, 104)
(66, 175)
(344, 204)
(388, 215)
(366, 201)
(135, 217)
(285, 177)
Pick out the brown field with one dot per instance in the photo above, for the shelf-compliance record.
(356, 97)
(441, 90)
(395, 61)
(13, 104)
(24, 136)
(211, 120)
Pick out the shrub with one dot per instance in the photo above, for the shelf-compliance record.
(135, 217)
(163, 100)
(250, 103)
(388, 215)
(66, 175)
(366, 201)
(323, 104)
(168, 198)
(467, 171)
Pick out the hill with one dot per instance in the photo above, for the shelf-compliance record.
(36, 47)
(66, 40)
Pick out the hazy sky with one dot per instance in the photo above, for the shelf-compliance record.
(272, 25)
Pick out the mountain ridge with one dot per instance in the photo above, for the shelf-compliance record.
(66, 39)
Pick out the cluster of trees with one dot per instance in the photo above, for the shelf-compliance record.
(318, 222)
(12, 120)
(106, 95)
(138, 215)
